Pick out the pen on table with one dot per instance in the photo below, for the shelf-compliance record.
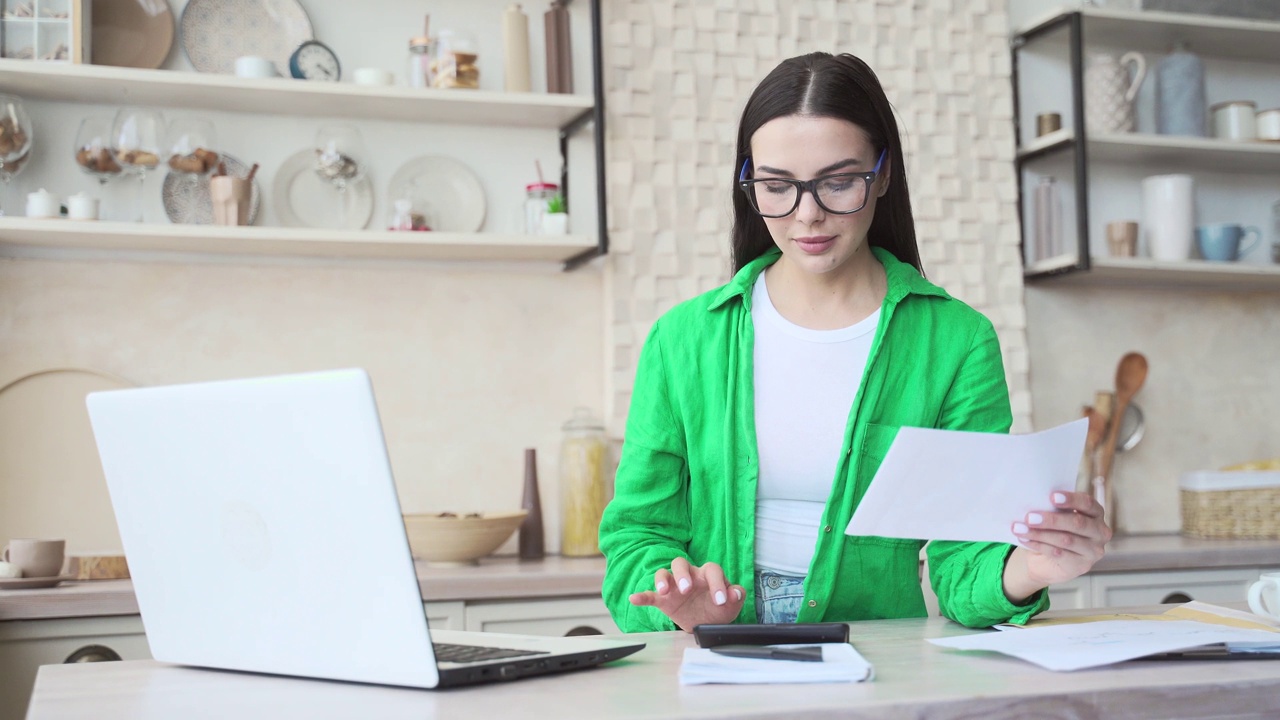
(810, 653)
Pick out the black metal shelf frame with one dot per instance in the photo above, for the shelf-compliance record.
(1074, 22)
(594, 116)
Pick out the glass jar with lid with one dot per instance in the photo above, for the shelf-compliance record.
(583, 458)
(421, 58)
(537, 196)
(456, 61)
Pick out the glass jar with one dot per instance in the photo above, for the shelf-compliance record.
(456, 60)
(421, 52)
(583, 455)
(536, 197)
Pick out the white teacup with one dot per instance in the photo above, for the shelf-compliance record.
(1264, 596)
(252, 66)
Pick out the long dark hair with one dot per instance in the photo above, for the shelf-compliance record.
(836, 86)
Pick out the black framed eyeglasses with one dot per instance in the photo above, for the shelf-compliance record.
(841, 193)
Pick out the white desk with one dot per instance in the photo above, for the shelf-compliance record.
(914, 679)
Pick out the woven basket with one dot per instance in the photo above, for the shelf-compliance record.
(1231, 504)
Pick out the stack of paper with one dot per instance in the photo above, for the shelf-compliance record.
(840, 663)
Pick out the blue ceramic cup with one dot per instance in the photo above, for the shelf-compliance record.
(1221, 241)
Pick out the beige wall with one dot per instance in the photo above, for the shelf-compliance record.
(679, 73)
(1212, 397)
(470, 367)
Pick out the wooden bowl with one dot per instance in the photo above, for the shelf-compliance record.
(459, 539)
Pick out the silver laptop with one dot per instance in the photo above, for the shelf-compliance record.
(264, 534)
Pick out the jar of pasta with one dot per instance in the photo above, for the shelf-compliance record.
(456, 61)
(582, 484)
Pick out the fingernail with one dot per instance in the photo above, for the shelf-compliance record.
(1059, 498)
(684, 585)
(719, 597)
(737, 594)
(1035, 518)
(1020, 529)
(662, 587)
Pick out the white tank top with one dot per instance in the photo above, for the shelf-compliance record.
(805, 382)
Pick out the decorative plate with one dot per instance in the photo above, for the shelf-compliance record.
(31, 583)
(304, 199)
(186, 197)
(216, 32)
(131, 33)
(443, 190)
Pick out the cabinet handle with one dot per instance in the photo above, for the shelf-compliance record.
(1176, 597)
(583, 630)
(93, 653)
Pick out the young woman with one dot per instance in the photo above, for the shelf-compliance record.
(762, 409)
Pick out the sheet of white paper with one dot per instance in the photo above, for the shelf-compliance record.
(1085, 645)
(840, 663)
(957, 485)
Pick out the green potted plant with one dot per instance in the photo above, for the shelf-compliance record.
(555, 221)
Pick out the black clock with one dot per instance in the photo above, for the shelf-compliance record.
(313, 60)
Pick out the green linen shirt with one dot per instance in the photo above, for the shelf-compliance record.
(686, 481)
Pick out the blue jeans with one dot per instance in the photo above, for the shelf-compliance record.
(778, 597)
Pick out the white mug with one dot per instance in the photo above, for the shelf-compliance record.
(252, 66)
(1268, 125)
(1264, 596)
(1235, 120)
(1168, 216)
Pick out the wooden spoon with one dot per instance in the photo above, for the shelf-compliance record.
(1131, 373)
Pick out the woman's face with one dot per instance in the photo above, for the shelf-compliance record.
(799, 147)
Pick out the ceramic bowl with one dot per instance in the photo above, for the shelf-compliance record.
(459, 539)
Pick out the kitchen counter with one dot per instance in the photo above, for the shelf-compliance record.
(501, 578)
(492, 579)
(913, 679)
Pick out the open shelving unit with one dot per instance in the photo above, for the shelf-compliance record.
(564, 114)
(1072, 147)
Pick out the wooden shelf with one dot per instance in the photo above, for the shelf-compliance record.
(127, 86)
(1197, 153)
(1157, 32)
(25, 234)
(1144, 272)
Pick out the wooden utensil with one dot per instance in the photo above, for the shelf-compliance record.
(1131, 373)
(1093, 436)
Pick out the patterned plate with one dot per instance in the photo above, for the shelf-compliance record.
(186, 197)
(216, 32)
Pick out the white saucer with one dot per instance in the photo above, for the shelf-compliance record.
(304, 199)
(26, 583)
(443, 190)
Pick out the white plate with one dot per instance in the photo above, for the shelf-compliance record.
(304, 199)
(443, 190)
(216, 32)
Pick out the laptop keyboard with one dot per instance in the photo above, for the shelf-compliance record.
(447, 652)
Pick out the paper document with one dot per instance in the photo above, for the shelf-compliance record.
(957, 485)
(1086, 645)
(840, 663)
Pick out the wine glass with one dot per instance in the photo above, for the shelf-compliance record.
(15, 141)
(339, 152)
(136, 133)
(95, 150)
(190, 151)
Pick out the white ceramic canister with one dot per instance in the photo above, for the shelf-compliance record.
(43, 204)
(1168, 216)
(1267, 124)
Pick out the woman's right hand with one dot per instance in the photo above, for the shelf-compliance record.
(693, 595)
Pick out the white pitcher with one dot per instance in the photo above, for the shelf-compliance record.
(1109, 91)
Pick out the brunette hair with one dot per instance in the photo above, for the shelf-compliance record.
(837, 86)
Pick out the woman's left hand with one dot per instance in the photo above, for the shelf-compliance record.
(1057, 545)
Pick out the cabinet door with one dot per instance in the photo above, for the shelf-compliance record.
(1151, 588)
(565, 616)
(25, 645)
(445, 615)
(1072, 595)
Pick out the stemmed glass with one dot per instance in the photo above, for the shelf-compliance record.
(15, 142)
(190, 151)
(136, 133)
(339, 152)
(95, 150)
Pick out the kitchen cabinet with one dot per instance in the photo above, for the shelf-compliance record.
(1128, 589)
(562, 617)
(562, 116)
(1099, 175)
